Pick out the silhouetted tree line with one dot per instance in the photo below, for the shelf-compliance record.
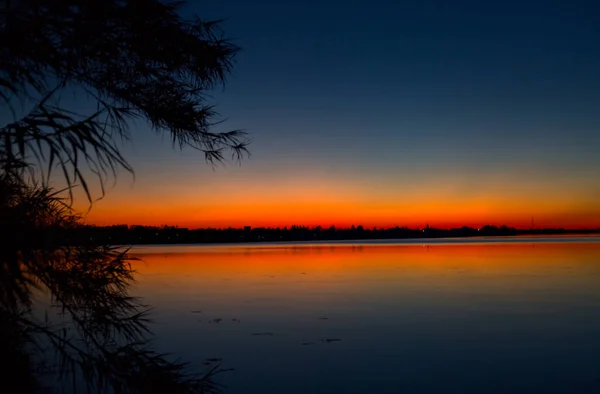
(132, 235)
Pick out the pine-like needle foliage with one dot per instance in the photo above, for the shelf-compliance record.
(133, 59)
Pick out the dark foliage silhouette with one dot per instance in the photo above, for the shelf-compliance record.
(130, 235)
(102, 333)
(134, 59)
(131, 59)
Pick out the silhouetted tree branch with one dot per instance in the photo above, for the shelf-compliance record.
(133, 60)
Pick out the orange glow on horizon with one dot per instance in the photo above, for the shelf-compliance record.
(278, 200)
(345, 215)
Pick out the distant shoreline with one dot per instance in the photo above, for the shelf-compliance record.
(138, 235)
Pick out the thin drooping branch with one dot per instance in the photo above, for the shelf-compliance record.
(134, 59)
(58, 137)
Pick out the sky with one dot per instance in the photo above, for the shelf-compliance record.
(383, 113)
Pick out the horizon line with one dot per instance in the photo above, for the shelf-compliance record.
(336, 228)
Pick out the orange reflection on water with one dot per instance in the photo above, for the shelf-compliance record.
(282, 271)
(295, 284)
(500, 257)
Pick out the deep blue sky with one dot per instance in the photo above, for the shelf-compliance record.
(391, 96)
(485, 75)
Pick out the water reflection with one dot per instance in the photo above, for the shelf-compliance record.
(465, 318)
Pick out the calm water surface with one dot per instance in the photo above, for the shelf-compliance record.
(434, 317)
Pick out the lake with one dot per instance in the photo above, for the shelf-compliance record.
(426, 316)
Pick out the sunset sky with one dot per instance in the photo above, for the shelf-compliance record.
(386, 113)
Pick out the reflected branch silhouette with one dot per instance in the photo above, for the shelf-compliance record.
(129, 60)
(100, 332)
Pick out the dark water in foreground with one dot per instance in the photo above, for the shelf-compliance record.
(484, 317)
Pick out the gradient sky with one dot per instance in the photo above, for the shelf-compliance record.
(386, 113)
